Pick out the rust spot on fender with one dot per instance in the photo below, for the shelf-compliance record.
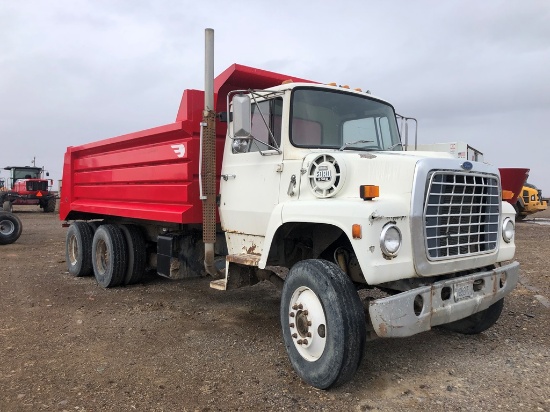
(383, 329)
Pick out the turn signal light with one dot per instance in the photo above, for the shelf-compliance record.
(507, 194)
(356, 231)
(369, 192)
(287, 81)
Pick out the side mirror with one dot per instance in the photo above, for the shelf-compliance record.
(242, 122)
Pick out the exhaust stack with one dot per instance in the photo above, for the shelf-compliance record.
(208, 159)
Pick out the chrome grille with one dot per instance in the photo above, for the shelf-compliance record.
(461, 214)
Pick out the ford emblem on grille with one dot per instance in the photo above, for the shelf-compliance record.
(467, 165)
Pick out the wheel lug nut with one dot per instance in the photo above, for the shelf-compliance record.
(300, 306)
(291, 325)
(304, 341)
(291, 314)
(309, 334)
(305, 312)
(299, 341)
(294, 335)
(294, 307)
(308, 323)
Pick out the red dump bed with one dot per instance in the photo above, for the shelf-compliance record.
(513, 179)
(152, 174)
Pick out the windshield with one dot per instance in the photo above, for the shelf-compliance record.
(26, 173)
(333, 119)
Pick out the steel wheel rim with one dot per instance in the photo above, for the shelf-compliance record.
(307, 323)
(73, 250)
(6, 227)
(101, 256)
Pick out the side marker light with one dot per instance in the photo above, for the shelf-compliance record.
(369, 192)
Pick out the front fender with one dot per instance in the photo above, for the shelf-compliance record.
(344, 213)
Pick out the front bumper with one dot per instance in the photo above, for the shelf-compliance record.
(442, 302)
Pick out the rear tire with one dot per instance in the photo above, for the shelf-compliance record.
(519, 209)
(78, 249)
(478, 322)
(7, 206)
(10, 228)
(109, 255)
(323, 323)
(135, 242)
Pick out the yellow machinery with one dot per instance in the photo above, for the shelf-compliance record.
(529, 202)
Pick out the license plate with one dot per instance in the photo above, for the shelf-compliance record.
(463, 291)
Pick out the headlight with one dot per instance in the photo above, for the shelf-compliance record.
(390, 240)
(508, 230)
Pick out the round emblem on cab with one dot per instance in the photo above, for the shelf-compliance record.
(467, 166)
(326, 176)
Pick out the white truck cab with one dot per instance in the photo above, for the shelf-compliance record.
(315, 180)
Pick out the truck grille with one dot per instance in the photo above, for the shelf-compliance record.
(461, 215)
(37, 185)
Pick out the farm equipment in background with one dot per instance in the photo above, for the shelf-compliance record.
(525, 198)
(529, 202)
(27, 186)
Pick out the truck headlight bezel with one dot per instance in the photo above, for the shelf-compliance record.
(508, 230)
(390, 240)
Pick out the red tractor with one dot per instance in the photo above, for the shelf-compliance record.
(27, 186)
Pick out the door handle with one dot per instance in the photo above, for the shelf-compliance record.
(226, 177)
(291, 186)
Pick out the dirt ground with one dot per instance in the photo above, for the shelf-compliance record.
(66, 344)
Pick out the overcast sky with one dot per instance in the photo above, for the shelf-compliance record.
(77, 71)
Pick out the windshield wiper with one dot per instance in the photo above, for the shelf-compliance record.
(353, 143)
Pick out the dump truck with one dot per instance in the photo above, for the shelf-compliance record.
(28, 185)
(270, 177)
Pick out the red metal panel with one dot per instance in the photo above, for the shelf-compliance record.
(168, 212)
(513, 179)
(151, 193)
(137, 174)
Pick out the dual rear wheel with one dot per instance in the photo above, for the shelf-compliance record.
(114, 254)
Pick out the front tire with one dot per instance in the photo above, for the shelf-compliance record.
(10, 228)
(78, 249)
(109, 255)
(478, 322)
(323, 323)
(49, 206)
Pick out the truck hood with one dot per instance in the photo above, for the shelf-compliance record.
(340, 173)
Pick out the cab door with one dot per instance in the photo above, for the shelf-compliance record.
(249, 187)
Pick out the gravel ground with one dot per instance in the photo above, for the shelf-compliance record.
(69, 345)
